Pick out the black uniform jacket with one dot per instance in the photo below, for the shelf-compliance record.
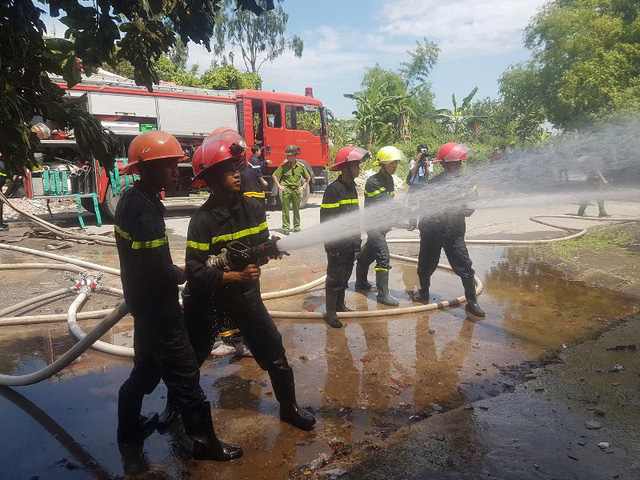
(340, 198)
(379, 188)
(453, 194)
(212, 228)
(251, 185)
(149, 278)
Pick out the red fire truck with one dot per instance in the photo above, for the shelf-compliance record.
(269, 119)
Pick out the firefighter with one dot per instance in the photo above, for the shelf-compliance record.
(379, 189)
(341, 197)
(214, 296)
(150, 281)
(445, 229)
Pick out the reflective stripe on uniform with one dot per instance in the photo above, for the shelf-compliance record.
(242, 233)
(255, 194)
(121, 232)
(158, 242)
(198, 246)
(341, 202)
(378, 269)
(229, 333)
(3, 174)
(378, 192)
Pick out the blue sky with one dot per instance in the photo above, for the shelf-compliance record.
(479, 39)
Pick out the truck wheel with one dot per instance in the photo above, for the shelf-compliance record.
(303, 199)
(108, 206)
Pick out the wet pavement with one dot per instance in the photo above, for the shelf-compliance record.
(364, 382)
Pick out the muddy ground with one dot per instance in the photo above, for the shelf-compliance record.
(429, 396)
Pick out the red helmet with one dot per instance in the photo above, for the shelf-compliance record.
(349, 154)
(452, 152)
(152, 145)
(222, 145)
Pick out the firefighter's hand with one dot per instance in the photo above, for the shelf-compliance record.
(250, 274)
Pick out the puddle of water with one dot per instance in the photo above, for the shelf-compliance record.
(363, 381)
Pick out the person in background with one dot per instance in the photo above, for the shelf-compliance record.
(257, 162)
(291, 178)
(3, 179)
(379, 189)
(419, 170)
(595, 181)
(150, 282)
(340, 198)
(445, 229)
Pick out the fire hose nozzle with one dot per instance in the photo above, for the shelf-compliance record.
(236, 255)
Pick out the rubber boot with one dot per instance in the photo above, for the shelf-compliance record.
(470, 293)
(131, 425)
(330, 316)
(285, 390)
(341, 307)
(423, 294)
(361, 277)
(382, 283)
(206, 446)
(168, 416)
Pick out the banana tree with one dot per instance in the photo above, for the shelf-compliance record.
(459, 118)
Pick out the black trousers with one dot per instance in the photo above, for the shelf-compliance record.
(204, 319)
(376, 248)
(434, 239)
(339, 269)
(163, 352)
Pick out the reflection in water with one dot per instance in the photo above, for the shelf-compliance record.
(56, 431)
(437, 377)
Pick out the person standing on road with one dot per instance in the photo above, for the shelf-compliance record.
(445, 230)
(379, 189)
(214, 295)
(419, 170)
(256, 164)
(595, 182)
(3, 179)
(150, 282)
(291, 178)
(340, 198)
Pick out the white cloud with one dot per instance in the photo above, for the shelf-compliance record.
(461, 27)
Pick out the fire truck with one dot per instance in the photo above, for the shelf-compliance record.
(269, 119)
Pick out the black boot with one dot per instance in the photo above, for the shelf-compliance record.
(169, 415)
(330, 316)
(285, 390)
(472, 306)
(382, 283)
(423, 294)
(341, 307)
(134, 461)
(362, 270)
(206, 446)
(131, 425)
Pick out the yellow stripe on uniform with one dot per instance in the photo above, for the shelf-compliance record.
(121, 232)
(240, 234)
(3, 174)
(229, 333)
(341, 202)
(158, 242)
(379, 269)
(255, 194)
(198, 246)
(378, 192)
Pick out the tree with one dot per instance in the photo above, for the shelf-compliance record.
(460, 117)
(260, 39)
(99, 32)
(423, 59)
(585, 59)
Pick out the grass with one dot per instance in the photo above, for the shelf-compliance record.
(594, 240)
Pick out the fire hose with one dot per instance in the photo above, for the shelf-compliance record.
(87, 340)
